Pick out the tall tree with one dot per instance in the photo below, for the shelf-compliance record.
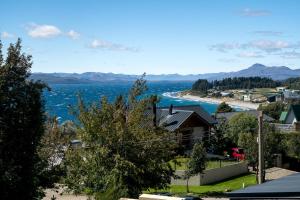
(196, 164)
(274, 143)
(21, 127)
(249, 143)
(224, 107)
(123, 152)
(241, 123)
(273, 109)
(201, 85)
(293, 145)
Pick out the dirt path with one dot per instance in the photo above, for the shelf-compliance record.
(59, 195)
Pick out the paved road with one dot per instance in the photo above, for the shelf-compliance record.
(276, 172)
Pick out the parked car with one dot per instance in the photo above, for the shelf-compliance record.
(235, 153)
(238, 153)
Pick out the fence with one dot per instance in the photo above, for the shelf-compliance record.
(286, 127)
(212, 175)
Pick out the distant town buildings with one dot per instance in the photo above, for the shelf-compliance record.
(291, 95)
(228, 115)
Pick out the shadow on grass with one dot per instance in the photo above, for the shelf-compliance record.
(218, 189)
(231, 178)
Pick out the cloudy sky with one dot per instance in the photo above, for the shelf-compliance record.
(153, 36)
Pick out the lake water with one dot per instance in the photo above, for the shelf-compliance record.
(62, 96)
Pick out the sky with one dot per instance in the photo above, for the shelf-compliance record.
(153, 36)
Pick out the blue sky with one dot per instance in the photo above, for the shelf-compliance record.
(153, 36)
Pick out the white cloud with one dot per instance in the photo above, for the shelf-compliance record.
(250, 55)
(43, 31)
(106, 45)
(49, 31)
(290, 55)
(267, 46)
(73, 34)
(224, 47)
(254, 13)
(6, 35)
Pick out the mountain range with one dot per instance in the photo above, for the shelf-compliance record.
(274, 72)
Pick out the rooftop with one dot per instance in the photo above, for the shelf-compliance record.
(179, 115)
(286, 187)
(296, 110)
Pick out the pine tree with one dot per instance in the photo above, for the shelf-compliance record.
(21, 126)
(197, 163)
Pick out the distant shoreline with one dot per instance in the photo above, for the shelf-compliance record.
(232, 102)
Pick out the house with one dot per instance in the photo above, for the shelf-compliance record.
(282, 188)
(189, 123)
(226, 94)
(291, 116)
(280, 89)
(275, 98)
(279, 97)
(271, 98)
(228, 115)
(247, 97)
(291, 95)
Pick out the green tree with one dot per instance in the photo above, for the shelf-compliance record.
(224, 107)
(201, 85)
(53, 149)
(196, 164)
(292, 83)
(21, 127)
(219, 142)
(244, 83)
(293, 145)
(123, 152)
(241, 123)
(248, 141)
(274, 144)
(273, 110)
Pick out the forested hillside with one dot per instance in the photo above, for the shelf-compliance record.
(203, 85)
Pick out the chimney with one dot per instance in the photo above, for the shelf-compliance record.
(171, 109)
(154, 113)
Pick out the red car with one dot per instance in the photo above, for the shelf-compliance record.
(238, 153)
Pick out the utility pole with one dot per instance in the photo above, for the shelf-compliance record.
(261, 161)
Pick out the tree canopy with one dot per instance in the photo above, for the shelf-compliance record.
(21, 126)
(197, 162)
(203, 85)
(292, 83)
(273, 109)
(224, 107)
(241, 123)
(123, 152)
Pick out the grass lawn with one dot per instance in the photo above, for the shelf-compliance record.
(264, 91)
(217, 189)
(210, 164)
